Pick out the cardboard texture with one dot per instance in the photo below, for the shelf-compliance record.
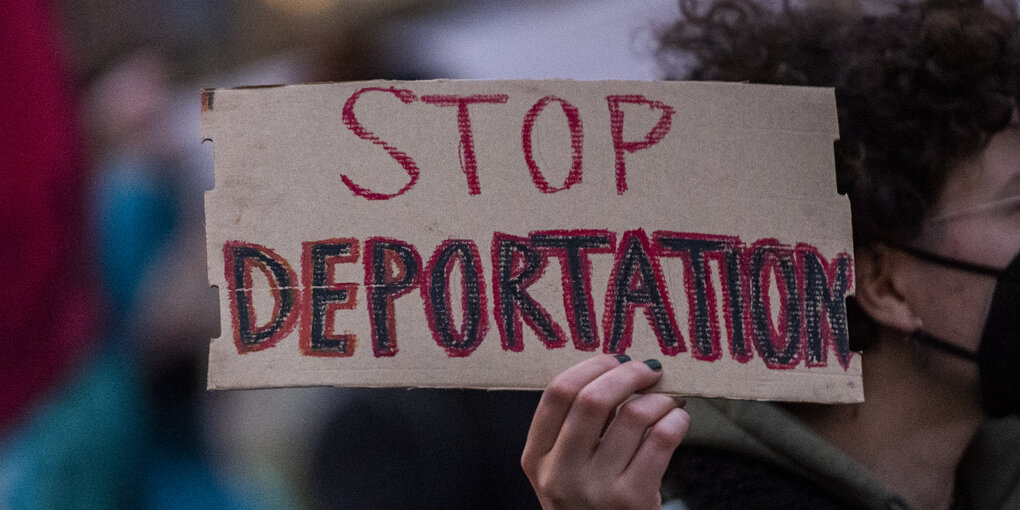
(489, 234)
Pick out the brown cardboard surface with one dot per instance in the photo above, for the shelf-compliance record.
(489, 234)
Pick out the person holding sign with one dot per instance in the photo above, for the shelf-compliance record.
(929, 155)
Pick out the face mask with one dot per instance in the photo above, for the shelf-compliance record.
(998, 355)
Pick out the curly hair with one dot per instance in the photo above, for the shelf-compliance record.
(918, 87)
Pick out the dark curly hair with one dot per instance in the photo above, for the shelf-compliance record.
(919, 86)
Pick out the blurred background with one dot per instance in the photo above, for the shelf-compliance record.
(107, 312)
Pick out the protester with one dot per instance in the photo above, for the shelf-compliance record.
(929, 155)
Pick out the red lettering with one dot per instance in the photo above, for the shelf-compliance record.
(352, 123)
(468, 162)
(621, 147)
(576, 144)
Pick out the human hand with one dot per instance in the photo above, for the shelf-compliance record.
(585, 450)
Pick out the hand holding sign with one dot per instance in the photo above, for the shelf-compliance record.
(492, 234)
(572, 463)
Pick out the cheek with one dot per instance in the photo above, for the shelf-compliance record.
(958, 301)
(956, 306)
(990, 241)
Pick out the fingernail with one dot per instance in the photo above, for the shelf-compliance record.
(653, 364)
(622, 358)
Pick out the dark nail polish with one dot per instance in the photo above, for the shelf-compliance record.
(622, 358)
(653, 364)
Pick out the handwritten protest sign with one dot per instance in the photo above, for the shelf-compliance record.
(490, 234)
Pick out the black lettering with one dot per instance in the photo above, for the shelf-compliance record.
(766, 257)
(241, 260)
(573, 248)
(825, 296)
(326, 296)
(699, 290)
(637, 282)
(512, 298)
(437, 298)
(384, 286)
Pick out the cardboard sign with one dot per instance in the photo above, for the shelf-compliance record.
(490, 234)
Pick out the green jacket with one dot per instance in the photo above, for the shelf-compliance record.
(989, 476)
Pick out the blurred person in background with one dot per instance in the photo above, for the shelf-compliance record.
(70, 428)
(79, 428)
(63, 409)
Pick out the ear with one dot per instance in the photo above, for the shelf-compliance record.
(879, 290)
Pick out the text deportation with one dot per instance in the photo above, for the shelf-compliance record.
(809, 305)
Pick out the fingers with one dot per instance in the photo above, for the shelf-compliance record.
(558, 398)
(594, 404)
(652, 457)
(627, 431)
(586, 450)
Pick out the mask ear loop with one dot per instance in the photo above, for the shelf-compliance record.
(943, 345)
(920, 335)
(949, 262)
